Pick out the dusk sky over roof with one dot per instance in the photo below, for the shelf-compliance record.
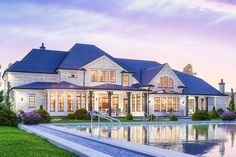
(200, 32)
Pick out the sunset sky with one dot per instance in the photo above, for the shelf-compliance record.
(200, 32)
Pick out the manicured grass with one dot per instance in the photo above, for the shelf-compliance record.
(17, 143)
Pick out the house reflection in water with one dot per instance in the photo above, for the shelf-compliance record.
(191, 139)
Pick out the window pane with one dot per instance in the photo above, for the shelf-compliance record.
(83, 100)
(94, 75)
(32, 101)
(125, 105)
(171, 83)
(165, 81)
(160, 82)
(61, 101)
(52, 102)
(112, 76)
(174, 104)
(163, 104)
(157, 104)
(177, 104)
(138, 101)
(125, 80)
(115, 103)
(169, 106)
(103, 76)
(133, 102)
(69, 102)
(103, 102)
(78, 101)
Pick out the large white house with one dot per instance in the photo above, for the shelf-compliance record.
(87, 77)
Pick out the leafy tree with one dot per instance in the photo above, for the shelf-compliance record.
(7, 96)
(188, 69)
(231, 103)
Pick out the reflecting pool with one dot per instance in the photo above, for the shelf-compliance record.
(208, 140)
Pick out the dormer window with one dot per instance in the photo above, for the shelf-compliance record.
(125, 80)
(165, 82)
(72, 75)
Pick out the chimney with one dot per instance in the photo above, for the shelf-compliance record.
(42, 47)
(222, 86)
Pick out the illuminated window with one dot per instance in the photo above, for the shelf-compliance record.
(133, 102)
(138, 103)
(163, 104)
(32, 101)
(60, 101)
(103, 76)
(94, 75)
(174, 104)
(115, 102)
(125, 104)
(103, 102)
(52, 102)
(83, 105)
(78, 101)
(112, 76)
(69, 102)
(165, 82)
(72, 75)
(169, 104)
(125, 80)
(157, 105)
(92, 100)
(177, 104)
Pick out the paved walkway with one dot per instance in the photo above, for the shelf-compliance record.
(87, 146)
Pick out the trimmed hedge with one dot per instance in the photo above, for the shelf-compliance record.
(71, 115)
(82, 114)
(173, 118)
(129, 116)
(8, 118)
(152, 117)
(200, 115)
(45, 117)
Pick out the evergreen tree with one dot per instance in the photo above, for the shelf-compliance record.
(7, 101)
(188, 69)
(231, 103)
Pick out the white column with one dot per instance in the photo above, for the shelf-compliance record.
(215, 102)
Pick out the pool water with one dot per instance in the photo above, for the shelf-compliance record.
(202, 139)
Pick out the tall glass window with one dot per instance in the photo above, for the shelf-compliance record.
(165, 82)
(169, 106)
(78, 101)
(103, 76)
(115, 102)
(70, 102)
(133, 102)
(138, 103)
(112, 76)
(83, 105)
(52, 102)
(163, 104)
(174, 104)
(157, 104)
(61, 102)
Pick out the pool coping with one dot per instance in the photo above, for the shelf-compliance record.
(143, 149)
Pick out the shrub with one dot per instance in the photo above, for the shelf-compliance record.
(173, 118)
(81, 114)
(152, 117)
(129, 116)
(20, 111)
(220, 111)
(213, 114)
(228, 116)
(71, 115)
(45, 117)
(31, 118)
(200, 115)
(8, 117)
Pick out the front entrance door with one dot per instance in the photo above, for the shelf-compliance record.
(103, 103)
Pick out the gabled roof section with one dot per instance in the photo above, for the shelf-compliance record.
(149, 73)
(49, 85)
(196, 86)
(137, 66)
(39, 61)
(82, 54)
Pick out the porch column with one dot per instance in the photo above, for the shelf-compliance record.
(206, 103)
(109, 102)
(196, 104)
(186, 105)
(128, 95)
(145, 103)
(90, 100)
(48, 101)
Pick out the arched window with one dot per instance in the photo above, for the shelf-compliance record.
(165, 82)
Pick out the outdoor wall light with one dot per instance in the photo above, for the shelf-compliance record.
(22, 98)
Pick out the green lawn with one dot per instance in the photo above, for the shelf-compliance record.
(17, 143)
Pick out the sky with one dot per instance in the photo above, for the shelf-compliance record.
(177, 32)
